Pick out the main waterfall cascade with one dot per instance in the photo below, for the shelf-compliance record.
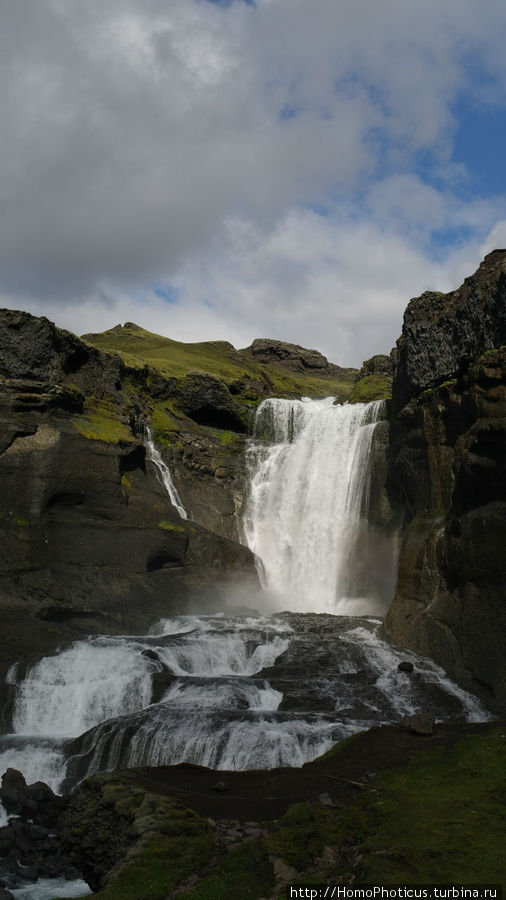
(232, 692)
(307, 503)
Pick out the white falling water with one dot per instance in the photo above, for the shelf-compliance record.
(221, 654)
(154, 456)
(90, 682)
(308, 491)
(238, 693)
(224, 695)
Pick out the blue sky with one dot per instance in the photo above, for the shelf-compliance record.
(480, 145)
(237, 170)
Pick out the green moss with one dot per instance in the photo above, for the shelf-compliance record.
(230, 441)
(162, 863)
(371, 387)
(101, 422)
(489, 355)
(10, 519)
(164, 425)
(441, 818)
(172, 526)
(245, 873)
(228, 438)
(164, 842)
(301, 834)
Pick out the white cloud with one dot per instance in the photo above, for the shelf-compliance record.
(151, 141)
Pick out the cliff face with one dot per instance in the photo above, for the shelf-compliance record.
(88, 537)
(448, 473)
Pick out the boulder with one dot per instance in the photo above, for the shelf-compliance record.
(405, 666)
(420, 723)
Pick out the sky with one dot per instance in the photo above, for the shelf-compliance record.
(294, 169)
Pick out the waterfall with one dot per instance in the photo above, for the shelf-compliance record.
(309, 479)
(154, 456)
(226, 692)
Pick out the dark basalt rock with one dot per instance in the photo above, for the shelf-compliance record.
(444, 333)
(377, 365)
(405, 666)
(30, 845)
(35, 800)
(208, 401)
(419, 723)
(448, 472)
(291, 356)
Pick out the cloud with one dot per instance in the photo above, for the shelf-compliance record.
(263, 160)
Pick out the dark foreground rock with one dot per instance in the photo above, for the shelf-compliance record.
(30, 847)
(448, 474)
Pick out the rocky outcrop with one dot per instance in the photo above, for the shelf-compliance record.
(444, 333)
(448, 473)
(381, 364)
(293, 357)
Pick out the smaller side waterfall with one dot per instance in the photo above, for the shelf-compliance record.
(154, 456)
(309, 465)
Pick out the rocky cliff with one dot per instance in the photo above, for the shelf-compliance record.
(89, 538)
(448, 475)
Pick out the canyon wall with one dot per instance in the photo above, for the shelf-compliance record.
(448, 476)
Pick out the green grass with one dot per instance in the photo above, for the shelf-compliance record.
(101, 422)
(163, 861)
(371, 387)
(442, 818)
(164, 425)
(219, 359)
(246, 873)
(302, 833)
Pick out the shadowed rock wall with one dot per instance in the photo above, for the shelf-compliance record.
(448, 474)
(89, 540)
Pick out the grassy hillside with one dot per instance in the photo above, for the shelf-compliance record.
(221, 360)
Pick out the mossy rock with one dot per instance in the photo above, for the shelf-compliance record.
(102, 421)
(173, 527)
(371, 387)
